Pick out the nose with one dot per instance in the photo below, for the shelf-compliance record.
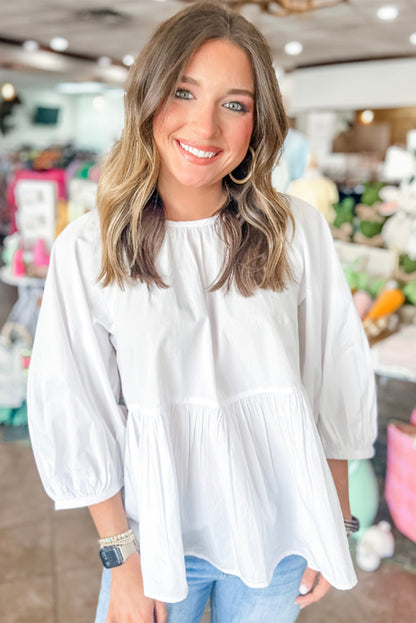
(205, 120)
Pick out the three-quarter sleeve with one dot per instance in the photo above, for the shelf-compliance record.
(76, 423)
(335, 360)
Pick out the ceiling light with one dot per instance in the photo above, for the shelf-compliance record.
(412, 38)
(30, 45)
(280, 8)
(128, 60)
(293, 48)
(387, 12)
(104, 61)
(366, 117)
(59, 44)
(8, 91)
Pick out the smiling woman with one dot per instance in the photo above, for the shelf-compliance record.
(204, 83)
(203, 392)
(203, 131)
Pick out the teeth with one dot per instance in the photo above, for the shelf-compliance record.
(197, 152)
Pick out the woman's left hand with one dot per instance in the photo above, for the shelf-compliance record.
(312, 588)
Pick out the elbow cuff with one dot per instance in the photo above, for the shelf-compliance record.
(79, 502)
(345, 454)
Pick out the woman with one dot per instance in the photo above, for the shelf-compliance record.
(199, 376)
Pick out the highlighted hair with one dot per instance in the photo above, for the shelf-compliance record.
(254, 221)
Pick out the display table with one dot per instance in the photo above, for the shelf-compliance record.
(395, 357)
(7, 277)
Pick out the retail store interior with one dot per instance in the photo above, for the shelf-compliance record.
(346, 71)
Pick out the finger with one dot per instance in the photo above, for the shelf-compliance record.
(321, 588)
(161, 615)
(308, 580)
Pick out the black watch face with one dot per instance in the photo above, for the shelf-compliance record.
(111, 556)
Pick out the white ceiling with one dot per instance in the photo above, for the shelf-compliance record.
(348, 31)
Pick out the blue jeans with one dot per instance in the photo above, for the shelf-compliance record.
(232, 601)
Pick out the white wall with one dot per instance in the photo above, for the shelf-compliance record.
(376, 84)
(39, 135)
(99, 120)
(79, 120)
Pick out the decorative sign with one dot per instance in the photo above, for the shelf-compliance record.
(36, 210)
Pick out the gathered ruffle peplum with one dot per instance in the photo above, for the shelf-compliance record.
(235, 484)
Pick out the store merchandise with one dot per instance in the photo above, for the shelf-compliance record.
(375, 543)
(400, 490)
(316, 189)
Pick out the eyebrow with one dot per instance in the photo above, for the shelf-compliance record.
(190, 80)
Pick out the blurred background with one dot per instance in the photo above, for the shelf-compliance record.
(347, 73)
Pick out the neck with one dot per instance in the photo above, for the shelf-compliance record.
(183, 203)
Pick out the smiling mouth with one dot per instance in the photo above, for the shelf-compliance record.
(198, 153)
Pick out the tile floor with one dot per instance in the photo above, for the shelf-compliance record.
(50, 570)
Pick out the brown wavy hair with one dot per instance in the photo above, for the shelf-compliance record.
(254, 221)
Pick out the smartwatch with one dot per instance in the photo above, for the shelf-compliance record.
(114, 555)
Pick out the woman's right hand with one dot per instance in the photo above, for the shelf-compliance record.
(128, 604)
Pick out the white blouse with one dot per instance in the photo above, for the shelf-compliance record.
(213, 413)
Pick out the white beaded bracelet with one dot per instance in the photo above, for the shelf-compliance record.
(123, 537)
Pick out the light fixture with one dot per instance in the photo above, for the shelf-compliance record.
(281, 8)
(30, 45)
(8, 91)
(387, 12)
(128, 60)
(59, 44)
(412, 38)
(293, 48)
(104, 61)
(366, 117)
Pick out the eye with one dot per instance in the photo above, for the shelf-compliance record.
(183, 94)
(236, 106)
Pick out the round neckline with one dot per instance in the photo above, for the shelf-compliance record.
(202, 222)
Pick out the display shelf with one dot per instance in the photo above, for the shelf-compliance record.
(7, 277)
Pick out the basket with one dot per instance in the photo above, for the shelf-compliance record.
(400, 490)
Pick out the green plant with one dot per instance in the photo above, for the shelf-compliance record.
(409, 291)
(370, 228)
(408, 265)
(344, 211)
(371, 193)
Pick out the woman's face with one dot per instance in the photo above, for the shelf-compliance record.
(203, 131)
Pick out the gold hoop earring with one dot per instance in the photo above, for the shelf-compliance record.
(249, 174)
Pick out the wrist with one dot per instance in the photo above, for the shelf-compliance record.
(115, 550)
(352, 524)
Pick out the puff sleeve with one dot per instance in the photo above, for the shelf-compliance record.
(76, 423)
(335, 360)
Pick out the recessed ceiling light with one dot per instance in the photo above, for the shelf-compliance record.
(388, 12)
(128, 60)
(367, 117)
(412, 38)
(59, 44)
(293, 48)
(104, 61)
(8, 91)
(30, 45)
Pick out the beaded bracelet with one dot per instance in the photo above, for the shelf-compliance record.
(351, 525)
(124, 537)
